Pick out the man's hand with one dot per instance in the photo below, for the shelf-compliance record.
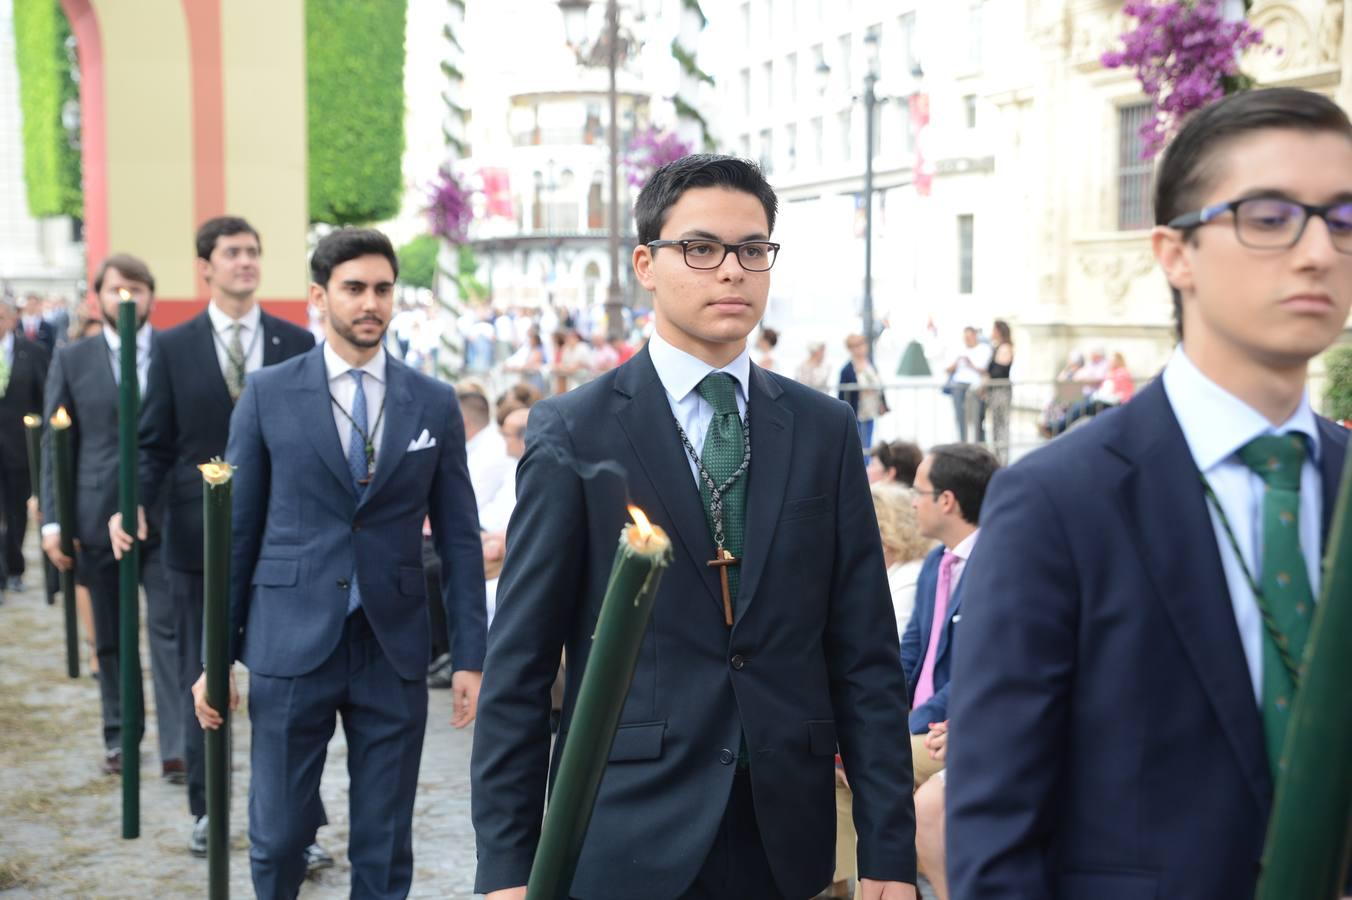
(885, 890)
(51, 545)
(495, 545)
(208, 717)
(465, 697)
(516, 893)
(122, 542)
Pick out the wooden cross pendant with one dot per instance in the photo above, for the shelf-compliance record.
(721, 563)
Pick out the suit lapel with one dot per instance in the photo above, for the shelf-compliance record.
(1172, 530)
(645, 417)
(1332, 463)
(771, 451)
(402, 417)
(273, 351)
(950, 615)
(311, 405)
(206, 352)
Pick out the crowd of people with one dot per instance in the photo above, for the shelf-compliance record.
(829, 603)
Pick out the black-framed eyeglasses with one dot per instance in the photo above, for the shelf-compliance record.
(754, 256)
(1274, 223)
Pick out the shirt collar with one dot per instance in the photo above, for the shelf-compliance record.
(1216, 423)
(680, 373)
(114, 340)
(966, 545)
(220, 321)
(337, 367)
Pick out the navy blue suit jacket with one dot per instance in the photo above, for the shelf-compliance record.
(1106, 738)
(811, 661)
(915, 642)
(300, 529)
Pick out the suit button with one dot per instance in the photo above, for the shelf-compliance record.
(343, 583)
(726, 757)
(738, 662)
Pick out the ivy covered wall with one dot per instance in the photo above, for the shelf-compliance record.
(51, 165)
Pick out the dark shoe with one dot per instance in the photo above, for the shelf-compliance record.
(112, 762)
(174, 771)
(197, 844)
(317, 859)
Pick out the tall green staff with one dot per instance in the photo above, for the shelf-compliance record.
(643, 555)
(33, 435)
(1310, 834)
(64, 480)
(129, 569)
(216, 493)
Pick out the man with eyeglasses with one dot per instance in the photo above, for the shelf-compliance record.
(1144, 586)
(720, 779)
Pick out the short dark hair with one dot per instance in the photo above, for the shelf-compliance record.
(901, 457)
(130, 267)
(337, 247)
(475, 406)
(699, 170)
(964, 469)
(1187, 170)
(222, 226)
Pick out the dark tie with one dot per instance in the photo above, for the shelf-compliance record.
(1287, 596)
(357, 465)
(722, 455)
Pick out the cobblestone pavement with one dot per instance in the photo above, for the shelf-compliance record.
(60, 817)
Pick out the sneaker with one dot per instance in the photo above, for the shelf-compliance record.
(197, 844)
(316, 859)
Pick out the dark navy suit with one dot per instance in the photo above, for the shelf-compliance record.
(1106, 742)
(915, 642)
(811, 662)
(300, 531)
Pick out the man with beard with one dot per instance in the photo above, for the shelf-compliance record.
(84, 378)
(339, 456)
(184, 422)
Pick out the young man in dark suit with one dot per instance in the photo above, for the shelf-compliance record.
(84, 379)
(340, 456)
(196, 375)
(1119, 703)
(720, 782)
(23, 371)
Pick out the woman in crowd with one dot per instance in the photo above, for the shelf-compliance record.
(815, 372)
(530, 361)
(894, 462)
(861, 387)
(998, 391)
(765, 346)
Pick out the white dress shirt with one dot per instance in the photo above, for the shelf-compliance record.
(1216, 424)
(972, 363)
(680, 373)
(114, 341)
(250, 337)
(343, 388)
(486, 456)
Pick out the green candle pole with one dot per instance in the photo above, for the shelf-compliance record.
(216, 580)
(129, 570)
(1310, 834)
(33, 435)
(642, 557)
(64, 480)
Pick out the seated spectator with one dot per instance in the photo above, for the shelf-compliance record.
(1116, 388)
(904, 547)
(894, 462)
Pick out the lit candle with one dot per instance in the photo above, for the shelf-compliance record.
(63, 478)
(643, 555)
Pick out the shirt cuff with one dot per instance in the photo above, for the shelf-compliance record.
(51, 528)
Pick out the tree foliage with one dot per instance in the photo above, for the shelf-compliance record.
(51, 164)
(355, 83)
(418, 261)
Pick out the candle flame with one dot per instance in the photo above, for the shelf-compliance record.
(61, 419)
(124, 294)
(216, 472)
(645, 528)
(32, 421)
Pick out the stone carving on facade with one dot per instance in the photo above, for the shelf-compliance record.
(1331, 32)
(1115, 272)
(1289, 43)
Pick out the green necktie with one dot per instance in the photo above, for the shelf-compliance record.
(1287, 596)
(235, 366)
(722, 455)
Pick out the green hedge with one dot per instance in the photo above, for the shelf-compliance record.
(355, 76)
(418, 261)
(1338, 386)
(51, 166)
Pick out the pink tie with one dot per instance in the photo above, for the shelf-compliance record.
(924, 687)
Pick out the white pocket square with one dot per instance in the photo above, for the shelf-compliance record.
(422, 442)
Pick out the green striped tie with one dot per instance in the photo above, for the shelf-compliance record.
(1288, 600)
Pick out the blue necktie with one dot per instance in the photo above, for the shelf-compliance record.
(356, 465)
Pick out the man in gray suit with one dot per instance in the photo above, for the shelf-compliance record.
(84, 379)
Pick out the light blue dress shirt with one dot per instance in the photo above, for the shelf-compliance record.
(680, 373)
(1216, 424)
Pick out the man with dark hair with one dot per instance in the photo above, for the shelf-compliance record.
(1144, 585)
(23, 370)
(950, 485)
(185, 420)
(84, 379)
(720, 780)
(35, 328)
(339, 455)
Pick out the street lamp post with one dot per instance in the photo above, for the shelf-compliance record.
(575, 22)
